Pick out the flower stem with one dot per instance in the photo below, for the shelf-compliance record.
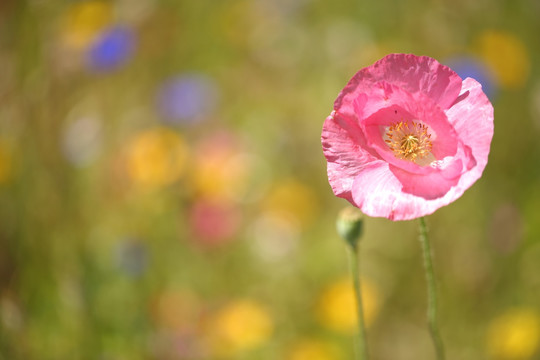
(431, 290)
(362, 352)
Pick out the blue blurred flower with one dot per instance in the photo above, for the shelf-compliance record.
(132, 257)
(187, 99)
(112, 49)
(468, 66)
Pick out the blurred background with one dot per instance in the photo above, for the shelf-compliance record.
(163, 192)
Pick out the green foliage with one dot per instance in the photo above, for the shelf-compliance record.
(134, 226)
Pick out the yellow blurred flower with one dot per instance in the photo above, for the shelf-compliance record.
(156, 157)
(313, 350)
(220, 167)
(336, 308)
(292, 200)
(83, 22)
(514, 335)
(240, 325)
(506, 56)
(5, 163)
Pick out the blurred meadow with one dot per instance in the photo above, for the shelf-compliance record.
(163, 192)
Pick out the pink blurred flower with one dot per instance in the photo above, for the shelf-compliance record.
(406, 137)
(214, 222)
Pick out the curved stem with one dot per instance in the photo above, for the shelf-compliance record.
(362, 352)
(431, 290)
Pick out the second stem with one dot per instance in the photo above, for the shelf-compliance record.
(431, 290)
(355, 270)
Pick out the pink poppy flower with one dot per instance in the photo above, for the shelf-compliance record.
(406, 137)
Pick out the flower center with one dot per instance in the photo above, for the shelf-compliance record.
(409, 141)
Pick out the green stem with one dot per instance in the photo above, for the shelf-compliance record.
(431, 290)
(362, 354)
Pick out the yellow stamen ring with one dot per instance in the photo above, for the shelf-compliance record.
(409, 141)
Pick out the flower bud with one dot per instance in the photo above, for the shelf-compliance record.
(350, 225)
